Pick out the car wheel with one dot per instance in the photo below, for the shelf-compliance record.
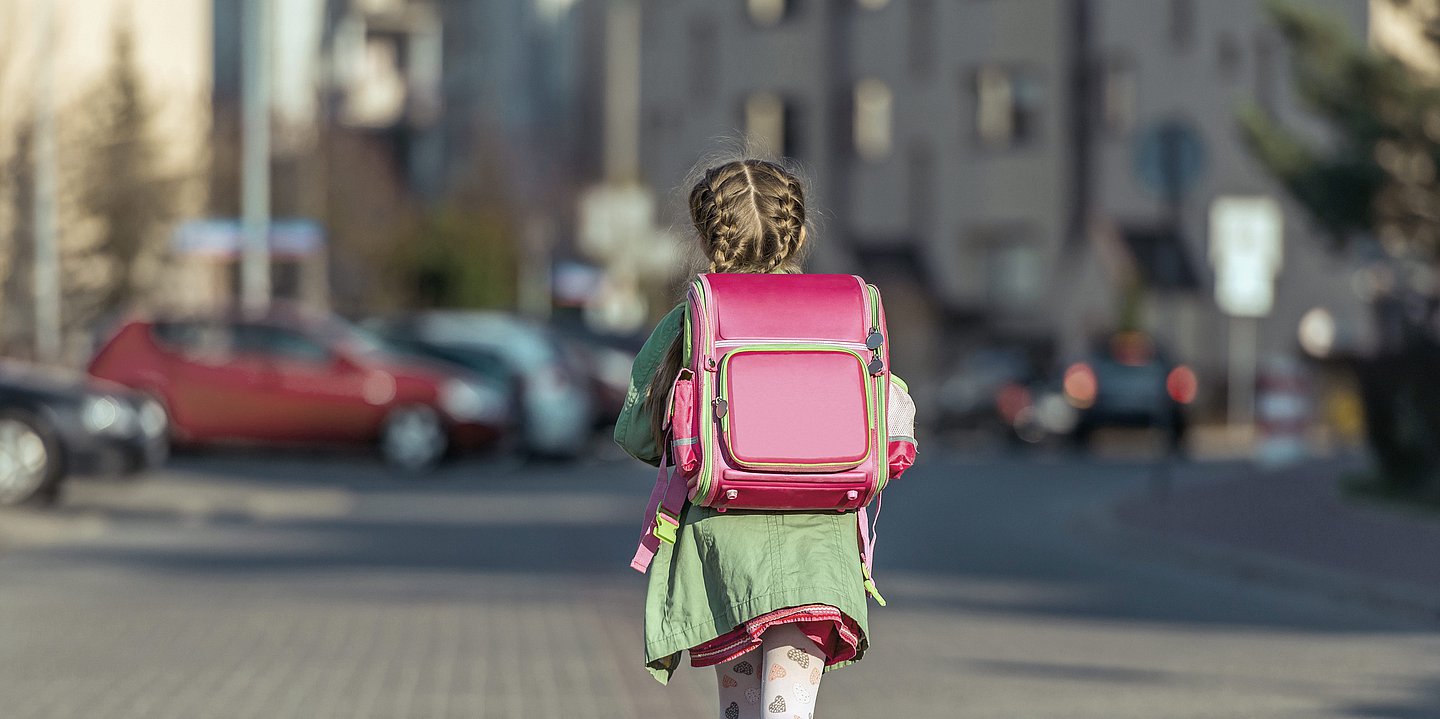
(414, 438)
(31, 466)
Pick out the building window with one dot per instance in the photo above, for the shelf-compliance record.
(1118, 91)
(769, 12)
(772, 125)
(704, 48)
(1013, 275)
(873, 112)
(1266, 57)
(1007, 106)
(1182, 23)
(922, 34)
(921, 185)
(1227, 56)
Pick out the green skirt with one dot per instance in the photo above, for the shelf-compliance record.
(726, 568)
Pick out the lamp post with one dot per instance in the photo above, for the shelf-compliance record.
(47, 260)
(255, 163)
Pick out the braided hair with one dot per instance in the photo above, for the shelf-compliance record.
(750, 217)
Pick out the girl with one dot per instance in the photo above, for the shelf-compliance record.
(770, 599)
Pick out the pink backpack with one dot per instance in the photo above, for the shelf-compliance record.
(781, 404)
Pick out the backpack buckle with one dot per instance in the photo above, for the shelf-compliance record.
(666, 527)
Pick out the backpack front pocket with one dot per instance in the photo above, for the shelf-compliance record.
(795, 408)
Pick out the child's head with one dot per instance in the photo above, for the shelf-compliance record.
(750, 215)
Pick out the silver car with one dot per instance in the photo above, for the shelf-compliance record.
(556, 412)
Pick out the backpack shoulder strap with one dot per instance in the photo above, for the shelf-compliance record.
(662, 515)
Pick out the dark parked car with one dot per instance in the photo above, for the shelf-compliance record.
(1128, 381)
(54, 423)
(988, 390)
(299, 378)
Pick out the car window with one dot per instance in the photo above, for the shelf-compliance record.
(356, 338)
(475, 359)
(279, 343)
(193, 338)
(525, 347)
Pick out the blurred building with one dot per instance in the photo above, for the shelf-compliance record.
(437, 82)
(384, 108)
(169, 44)
(1003, 169)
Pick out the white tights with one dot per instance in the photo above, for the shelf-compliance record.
(777, 680)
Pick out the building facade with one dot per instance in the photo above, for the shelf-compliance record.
(68, 51)
(1005, 170)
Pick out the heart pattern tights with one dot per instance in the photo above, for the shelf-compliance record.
(777, 680)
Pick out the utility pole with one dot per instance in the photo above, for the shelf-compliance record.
(47, 255)
(255, 164)
(622, 91)
(1081, 111)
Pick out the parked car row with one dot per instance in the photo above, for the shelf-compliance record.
(418, 387)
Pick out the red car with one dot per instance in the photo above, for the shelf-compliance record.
(298, 379)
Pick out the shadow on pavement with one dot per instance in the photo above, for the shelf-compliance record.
(1424, 703)
(950, 534)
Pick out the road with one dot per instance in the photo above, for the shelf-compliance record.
(297, 586)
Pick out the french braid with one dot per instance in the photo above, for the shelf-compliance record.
(750, 216)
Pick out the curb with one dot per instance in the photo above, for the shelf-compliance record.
(23, 527)
(1104, 529)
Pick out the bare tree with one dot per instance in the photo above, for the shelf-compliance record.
(123, 186)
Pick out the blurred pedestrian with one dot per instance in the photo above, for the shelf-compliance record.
(772, 600)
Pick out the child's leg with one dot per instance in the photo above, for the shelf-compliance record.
(793, 665)
(740, 686)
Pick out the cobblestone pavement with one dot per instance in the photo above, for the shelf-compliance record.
(246, 586)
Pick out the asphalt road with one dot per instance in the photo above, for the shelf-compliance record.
(277, 586)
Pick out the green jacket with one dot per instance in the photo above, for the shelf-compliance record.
(632, 428)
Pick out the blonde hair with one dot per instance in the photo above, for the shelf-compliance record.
(750, 217)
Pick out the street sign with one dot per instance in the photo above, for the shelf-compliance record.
(222, 238)
(1169, 158)
(614, 219)
(1247, 252)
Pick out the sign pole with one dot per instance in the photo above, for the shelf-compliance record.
(255, 169)
(1244, 358)
(47, 261)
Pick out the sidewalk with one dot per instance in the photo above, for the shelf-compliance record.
(1294, 528)
(175, 496)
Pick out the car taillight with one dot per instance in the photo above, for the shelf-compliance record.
(1080, 385)
(1182, 384)
(1011, 400)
